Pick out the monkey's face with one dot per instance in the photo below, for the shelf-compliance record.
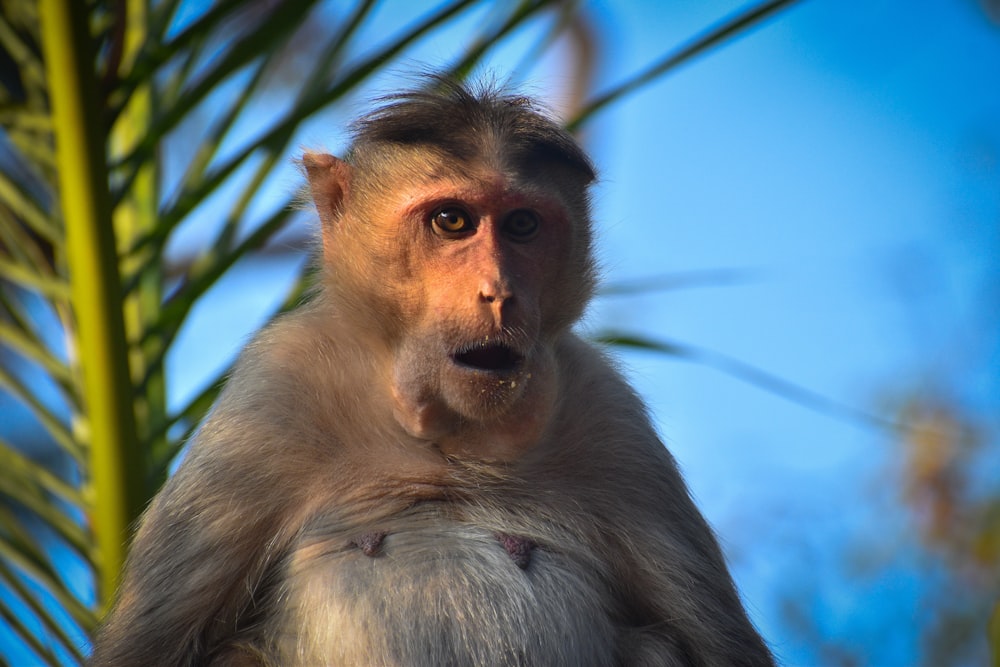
(476, 261)
(468, 274)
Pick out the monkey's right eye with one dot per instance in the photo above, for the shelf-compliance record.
(451, 221)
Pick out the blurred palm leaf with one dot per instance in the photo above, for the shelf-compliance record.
(120, 122)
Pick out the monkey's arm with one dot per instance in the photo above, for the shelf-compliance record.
(197, 559)
(677, 593)
(680, 579)
(206, 541)
(682, 598)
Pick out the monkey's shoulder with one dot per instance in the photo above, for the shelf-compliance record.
(616, 427)
(295, 380)
(589, 374)
(299, 352)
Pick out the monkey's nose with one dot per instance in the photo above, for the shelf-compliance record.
(498, 298)
(495, 291)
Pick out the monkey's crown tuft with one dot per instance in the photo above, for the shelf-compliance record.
(468, 122)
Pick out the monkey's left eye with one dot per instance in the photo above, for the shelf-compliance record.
(521, 226)
(452, 221)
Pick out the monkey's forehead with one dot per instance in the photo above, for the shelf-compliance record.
(503, 175)
(487, 191)
(515, 159)
(470, 123)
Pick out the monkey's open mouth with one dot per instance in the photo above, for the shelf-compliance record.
(493, 357)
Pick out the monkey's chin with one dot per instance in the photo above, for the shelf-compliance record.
(489, 397)
(482, 395)
(454, 397)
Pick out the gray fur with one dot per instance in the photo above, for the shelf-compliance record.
(307, 527)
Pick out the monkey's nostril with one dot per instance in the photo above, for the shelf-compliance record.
(495, 290)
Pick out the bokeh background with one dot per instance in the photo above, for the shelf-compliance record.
(800, 240)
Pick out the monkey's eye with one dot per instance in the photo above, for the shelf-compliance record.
(452, 221)
(521, 226)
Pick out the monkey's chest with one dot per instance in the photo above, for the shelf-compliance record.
(433, 591)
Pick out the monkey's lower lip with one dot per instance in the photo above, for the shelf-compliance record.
(493, 358)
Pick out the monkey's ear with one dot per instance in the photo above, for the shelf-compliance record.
(329, 181)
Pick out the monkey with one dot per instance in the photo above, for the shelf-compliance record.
(424, 464)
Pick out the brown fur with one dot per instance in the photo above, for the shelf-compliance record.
(359, 497)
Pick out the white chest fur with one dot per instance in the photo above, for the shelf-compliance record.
(426, 589)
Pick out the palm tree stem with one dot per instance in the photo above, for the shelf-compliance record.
(95, 285)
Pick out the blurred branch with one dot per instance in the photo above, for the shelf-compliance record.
(17, 624)
(23, 205)
(249, 48)
(992, 9)
(17, 465)
(53, 426)
(488, 40)
(714, 37)
(45, 285)
(42, 573)
(678, 280)
(751, 375)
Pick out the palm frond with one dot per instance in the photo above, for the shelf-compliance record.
(715, 36)
(748, 373)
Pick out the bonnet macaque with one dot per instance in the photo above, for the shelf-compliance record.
(424, 465)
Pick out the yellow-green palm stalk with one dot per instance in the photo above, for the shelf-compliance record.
(109, 434)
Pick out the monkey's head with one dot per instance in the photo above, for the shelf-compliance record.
(457, 230)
